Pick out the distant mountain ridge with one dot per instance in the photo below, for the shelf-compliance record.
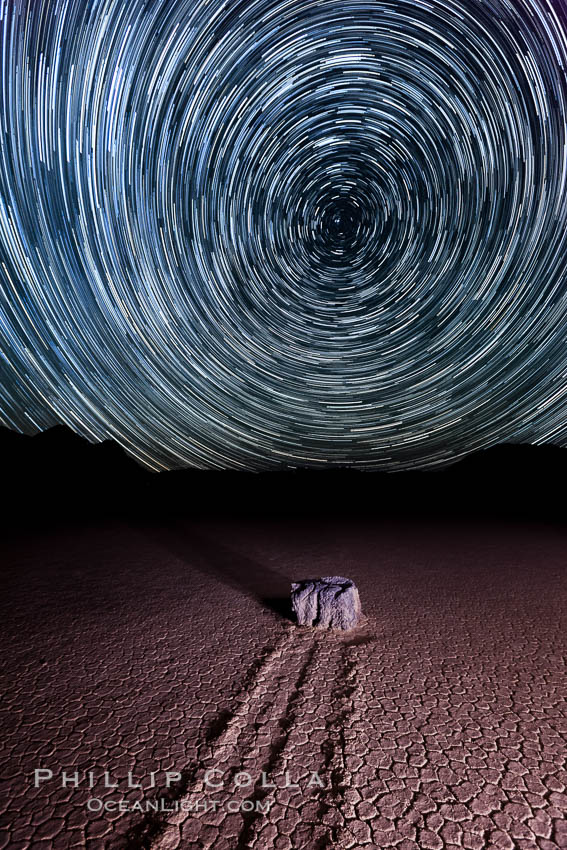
(61, 443)
(59, 472)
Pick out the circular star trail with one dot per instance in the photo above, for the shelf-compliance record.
(285, 232)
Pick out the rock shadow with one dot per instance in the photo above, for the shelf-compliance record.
(280, 605)
(212, 558)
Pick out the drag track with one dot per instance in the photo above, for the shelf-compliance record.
(294, 711)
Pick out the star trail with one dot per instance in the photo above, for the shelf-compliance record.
(285, 232)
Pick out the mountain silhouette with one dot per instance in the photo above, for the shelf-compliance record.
(57, 474)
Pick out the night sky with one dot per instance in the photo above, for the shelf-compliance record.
(285, 232)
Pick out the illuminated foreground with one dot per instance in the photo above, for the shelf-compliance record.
(166, 658)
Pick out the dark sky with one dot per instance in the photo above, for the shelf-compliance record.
(284, 232)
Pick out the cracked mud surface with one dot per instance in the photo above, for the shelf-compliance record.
(441, 721)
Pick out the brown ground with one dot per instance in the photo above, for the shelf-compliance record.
(440, 722)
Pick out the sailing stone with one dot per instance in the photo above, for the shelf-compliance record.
(331, 602)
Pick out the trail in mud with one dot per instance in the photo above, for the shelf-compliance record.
(278, 765)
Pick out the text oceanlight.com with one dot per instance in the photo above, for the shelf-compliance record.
(163, 805)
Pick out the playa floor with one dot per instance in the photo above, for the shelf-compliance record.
(165, 656)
